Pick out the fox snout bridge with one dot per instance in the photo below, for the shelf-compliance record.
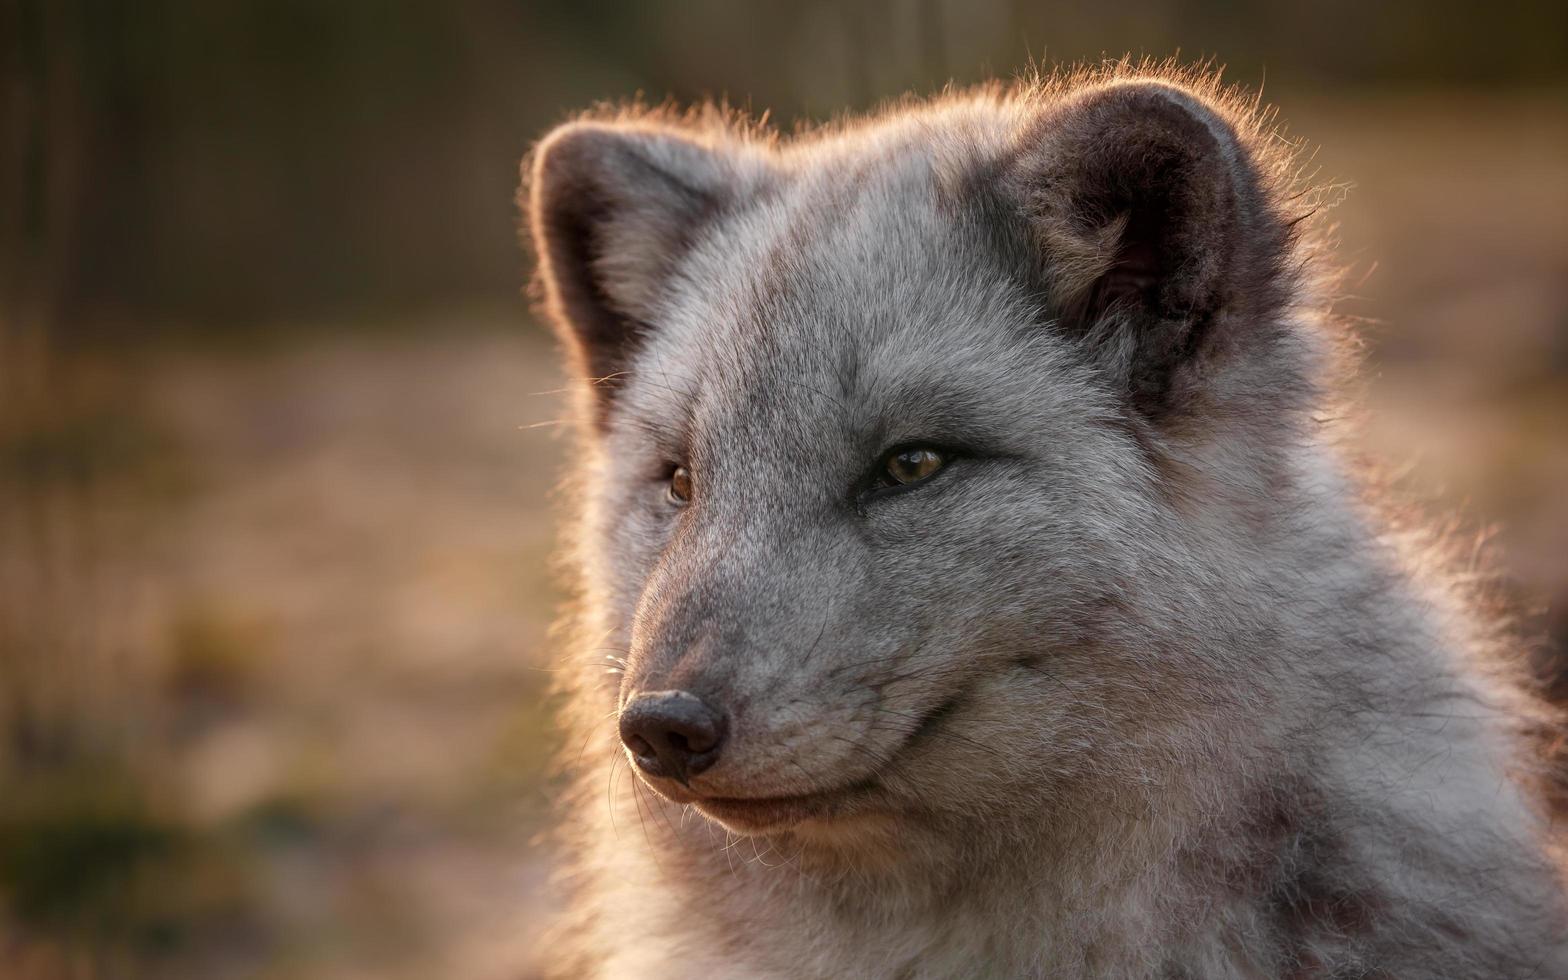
(674, 734)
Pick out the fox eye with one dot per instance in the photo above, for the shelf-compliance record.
(680, 485)
(907, 466)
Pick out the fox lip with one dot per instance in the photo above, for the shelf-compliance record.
(761, 814)
(770, 814)
(810, 803)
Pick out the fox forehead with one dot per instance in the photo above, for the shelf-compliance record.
(861, 305)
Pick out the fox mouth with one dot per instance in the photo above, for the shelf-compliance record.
(761, 814)
(774, 814)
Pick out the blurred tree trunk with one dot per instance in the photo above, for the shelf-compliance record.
(42, 133)
(43, 130)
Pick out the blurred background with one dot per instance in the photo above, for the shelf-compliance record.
(276, 452)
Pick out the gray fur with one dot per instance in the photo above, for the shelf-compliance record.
(1139, 686)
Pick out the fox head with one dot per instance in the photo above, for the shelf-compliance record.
(925, 454)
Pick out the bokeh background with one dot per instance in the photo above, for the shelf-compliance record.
(276, 425)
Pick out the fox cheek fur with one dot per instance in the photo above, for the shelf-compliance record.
(1127, 680)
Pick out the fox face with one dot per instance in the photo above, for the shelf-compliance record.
(921, 451)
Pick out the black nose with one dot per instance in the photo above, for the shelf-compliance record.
(672, 733)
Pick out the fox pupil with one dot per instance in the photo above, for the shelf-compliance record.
(914, 465)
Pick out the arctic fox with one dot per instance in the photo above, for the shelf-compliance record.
(968, 585)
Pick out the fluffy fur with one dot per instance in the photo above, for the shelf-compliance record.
(1139, 685)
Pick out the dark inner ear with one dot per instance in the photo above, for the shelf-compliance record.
(604, 334)
(1134, 273)
(1154, 230)
(613, 209)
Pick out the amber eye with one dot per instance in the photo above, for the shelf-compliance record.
(680, 485)
(912, 465)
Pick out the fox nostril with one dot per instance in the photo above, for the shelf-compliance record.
(639, 747)
(696, 740)
(674, 734)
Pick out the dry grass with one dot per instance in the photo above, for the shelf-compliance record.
(274, 643)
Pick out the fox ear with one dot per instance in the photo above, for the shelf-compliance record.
(612, 207)
(1156, 231)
